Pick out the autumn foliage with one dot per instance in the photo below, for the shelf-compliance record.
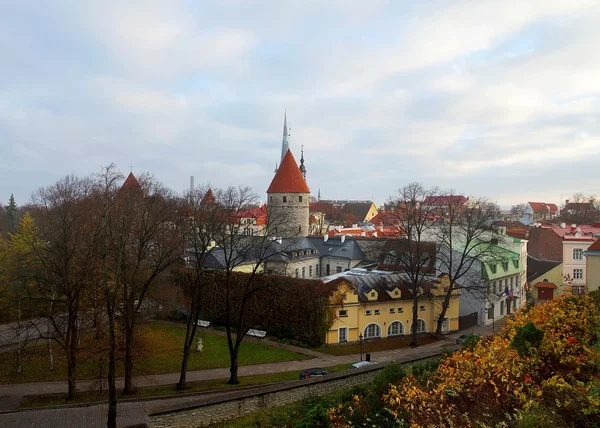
(549, 382)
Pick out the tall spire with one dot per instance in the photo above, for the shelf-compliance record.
(285, 145)
(302, 167)
(319, 195)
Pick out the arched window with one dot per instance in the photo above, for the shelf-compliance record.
(372, 330)
(395, 329)
(421, 326)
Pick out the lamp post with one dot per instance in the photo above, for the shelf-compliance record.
(360, 340)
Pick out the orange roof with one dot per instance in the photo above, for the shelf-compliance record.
(288, 178)
(131, 183)
(543, 284)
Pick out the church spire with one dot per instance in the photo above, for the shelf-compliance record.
(302, 167)
(285, 145)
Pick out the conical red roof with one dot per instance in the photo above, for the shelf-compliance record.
(131, 182)
(288, 178)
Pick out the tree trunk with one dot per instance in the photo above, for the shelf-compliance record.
(233, 379)
(112, 388)
(438, 330)
(190, 333)
(129, 387)
(415, 337)
(72, 341)
(49, 324)
(18, 334)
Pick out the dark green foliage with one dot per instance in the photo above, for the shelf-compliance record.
(527, 338)
(315, 418)
(11, 212)
(471, 341)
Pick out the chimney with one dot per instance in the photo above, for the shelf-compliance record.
(343, 239)
(563, 225)
(566, 201)
(578, 229)
(573, 226)
(325, 237)
(191, 183)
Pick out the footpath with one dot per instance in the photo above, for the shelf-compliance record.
(134, 413)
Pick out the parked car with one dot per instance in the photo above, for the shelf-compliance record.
(461, 339)
(361, 364)
(305, 374)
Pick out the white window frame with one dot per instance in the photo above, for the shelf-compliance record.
(345, 330)
(400, 329)
(421, 326)
(377, 331)
(577, 253)
(577, 273)
(345, 313)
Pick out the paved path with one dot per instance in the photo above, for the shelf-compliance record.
(134, 412)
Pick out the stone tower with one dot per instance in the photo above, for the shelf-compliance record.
(288, 199)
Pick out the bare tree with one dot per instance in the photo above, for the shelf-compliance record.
(61, 212)
(413, 219)
(518, 211)
(145, 239)
(203, 221)
(240, 294)
(463, 234)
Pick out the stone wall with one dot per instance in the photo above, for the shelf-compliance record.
(242, 403)
(291, 218)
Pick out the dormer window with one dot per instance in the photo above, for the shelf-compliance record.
(493, 268)
(373, 294)
(505, 265)
(396, 293)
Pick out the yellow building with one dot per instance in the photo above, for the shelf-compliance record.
(592, 263)
(378, 304)
(548, 285)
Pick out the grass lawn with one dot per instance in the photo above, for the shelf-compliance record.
(166, 390)
(158, 350)
(378, 345)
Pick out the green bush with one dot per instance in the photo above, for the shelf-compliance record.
(527, 338)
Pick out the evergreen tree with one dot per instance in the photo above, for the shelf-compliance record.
(11, 214)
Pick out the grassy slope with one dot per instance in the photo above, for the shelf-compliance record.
(159, 350)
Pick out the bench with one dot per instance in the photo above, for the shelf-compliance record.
(203, 323)
(257, 333)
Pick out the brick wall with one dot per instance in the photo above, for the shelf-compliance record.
(242, 403)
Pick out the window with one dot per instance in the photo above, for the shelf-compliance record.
(577, 289)
(343, 313)
(303, 272)
(377, 312)
(300, 229)
(400, 310)
(421, 326)
(367, 313)
(310, 271)
(327, 269)
(271, 199)
(344, 296)
(396, 293)
(317, 269)
(396, 329)
(300, 198)
(446, 325)
(502, 307)
(493, 268)
(422, 308)
(516, 263)
(285, 199)
(577, 273)
(342, 334)
(505, 266)
(577, 253)
(296, 273)
(372, 330)
(338, 269)
(373, 294)
(392, 310)
(490, 313)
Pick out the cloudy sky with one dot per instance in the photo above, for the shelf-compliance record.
(492, 98)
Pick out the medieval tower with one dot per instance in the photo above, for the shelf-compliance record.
(288, 196)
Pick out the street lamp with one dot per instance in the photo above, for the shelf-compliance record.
(360, 340)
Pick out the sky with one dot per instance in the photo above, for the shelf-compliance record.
(496, 99)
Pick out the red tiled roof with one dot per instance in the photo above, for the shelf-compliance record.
(543, 207)
(595, 246)
(569, 232)
(543, 284)
(288, 178)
